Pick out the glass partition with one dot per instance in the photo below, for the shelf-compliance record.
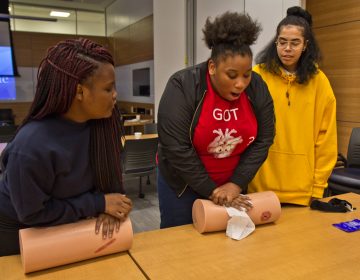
(77, 22)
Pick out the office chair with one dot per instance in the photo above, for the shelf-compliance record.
(139, 159)
(150, 128)
(7, 133)
(7, 117)
(347, 178)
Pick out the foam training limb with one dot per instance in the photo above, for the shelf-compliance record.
(46, 247)
(208, 217)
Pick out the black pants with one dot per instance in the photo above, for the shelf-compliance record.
(174, 211)
(9, 243)
(9, 237)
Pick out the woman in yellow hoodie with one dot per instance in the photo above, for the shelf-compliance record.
(305, 146)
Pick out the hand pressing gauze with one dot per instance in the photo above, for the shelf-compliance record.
(47, 247)
(239, 225)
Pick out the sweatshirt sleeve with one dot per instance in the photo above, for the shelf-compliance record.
(325, 141)
(31, 194)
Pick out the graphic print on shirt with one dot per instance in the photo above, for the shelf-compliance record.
(223, 132)
(224, 143)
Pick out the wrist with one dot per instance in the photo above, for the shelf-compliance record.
(236, 186)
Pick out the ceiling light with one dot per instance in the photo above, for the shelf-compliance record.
(59, 14)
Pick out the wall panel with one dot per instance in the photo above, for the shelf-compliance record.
(341, 63)
(344, 131)
(331, 12)
(337, 29)
(134, 43)
(30, 47)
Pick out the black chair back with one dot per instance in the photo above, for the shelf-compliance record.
(150, 128)
(139, 159)
(7, 133)
(347, 178)
(6, 117)
(353, 155)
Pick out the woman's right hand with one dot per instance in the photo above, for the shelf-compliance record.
(117, 205)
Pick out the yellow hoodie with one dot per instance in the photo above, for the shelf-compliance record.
(305, 145)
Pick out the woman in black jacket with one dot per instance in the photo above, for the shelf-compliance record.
(215, 124)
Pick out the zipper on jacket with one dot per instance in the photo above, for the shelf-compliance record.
(191, 125)
(253, 106)
(184, 189)
(192, 121)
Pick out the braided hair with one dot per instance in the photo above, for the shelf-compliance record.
(230, 34)
(67, 64)
(309, 59)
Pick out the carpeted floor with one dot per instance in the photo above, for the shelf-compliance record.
(145, 214)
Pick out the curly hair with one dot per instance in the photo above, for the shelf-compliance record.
(230, 34)
(67, 64)
(309, 59)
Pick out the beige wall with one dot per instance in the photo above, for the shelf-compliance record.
(337, 28)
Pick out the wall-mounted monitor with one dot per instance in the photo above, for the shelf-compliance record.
(7, 88)
(141, 82)
(7, 61)
(6, 56)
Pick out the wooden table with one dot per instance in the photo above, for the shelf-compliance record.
(137, 123)
(302, 244)
(143, 136)
(133, 124)
(116, 266)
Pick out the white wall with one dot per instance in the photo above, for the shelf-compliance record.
(124, 83)
(23, 87)
(26, 84)
(211, 8)
(169, 42)
(270, 14)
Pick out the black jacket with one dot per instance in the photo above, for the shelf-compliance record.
(178, 114)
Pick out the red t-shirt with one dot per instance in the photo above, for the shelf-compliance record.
(225, 129)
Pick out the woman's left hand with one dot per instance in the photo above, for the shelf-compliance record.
(225, 194)
(109, 224)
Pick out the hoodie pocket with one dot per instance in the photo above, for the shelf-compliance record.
(288, 172)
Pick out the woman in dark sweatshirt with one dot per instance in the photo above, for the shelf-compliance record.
(64, 161)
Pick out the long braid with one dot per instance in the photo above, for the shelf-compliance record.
(66, 65)
(107, 151)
